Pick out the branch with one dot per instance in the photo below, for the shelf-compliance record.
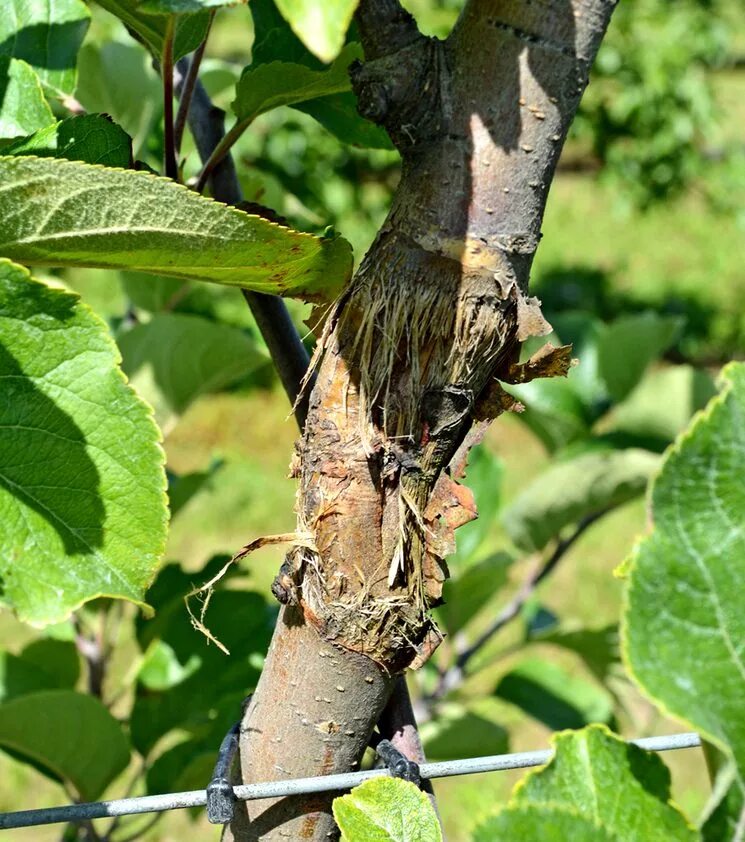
(169, 149)
(187, 90)
(455, 674)
(385, 27)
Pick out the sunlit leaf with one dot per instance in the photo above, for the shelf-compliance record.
(683, 631)
(320, 26)
(124, 219)
(386, 810)
(23, 108)
(82, 483)
(47, 34)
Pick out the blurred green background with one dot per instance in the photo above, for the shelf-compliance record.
(643, 244)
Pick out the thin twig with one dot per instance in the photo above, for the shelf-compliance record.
(169, 149)
(219, 153)
(187, 90)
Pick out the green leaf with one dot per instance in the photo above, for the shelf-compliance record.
(386, 810)
(47, 34)
(547, 824)
(683, 630)
(598, 648)
(628, 345)
(320, 26)
(724, 822)
(174, 358)
(468, 591)
(93, 138)
(182, 488)
(123, 219)
(82, 483)
(570, 490)
(23, 108)
(118, 79)
(191, 29)
(183, 7)
(554, 411)
(550, 694)
(621, 787)
(458, 733)
(266, 86)
(161, 669)
(338, 114)
(184, 767)
(42, 665)
(663, 403)
(71, 734)
(208, 696)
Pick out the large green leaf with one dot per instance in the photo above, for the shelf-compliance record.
(552, 695)
(71, 734)
(386, 810)
(123, 219)
(150, 28)
(263, 87)
(598, 648)
(622, 788)
(93, 138)
(628, 345)
(573, 489)
(47, 34)
(725, 822)
(320, 26)
(683, 631)
(23, 108)
(82, 484)
(174, 358)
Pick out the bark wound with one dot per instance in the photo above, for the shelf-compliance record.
(410, 359)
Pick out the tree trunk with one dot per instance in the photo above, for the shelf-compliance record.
(409, 372)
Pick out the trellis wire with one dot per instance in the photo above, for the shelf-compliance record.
(303, 786)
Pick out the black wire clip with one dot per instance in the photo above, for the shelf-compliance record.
(397, 763)
(220, 796)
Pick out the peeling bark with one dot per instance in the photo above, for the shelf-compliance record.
(410, 367)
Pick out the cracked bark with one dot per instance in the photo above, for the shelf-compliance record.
(409, 373)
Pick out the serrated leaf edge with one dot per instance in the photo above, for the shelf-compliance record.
(627, 567)
(157, 443)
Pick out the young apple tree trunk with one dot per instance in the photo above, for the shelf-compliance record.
(408, 374)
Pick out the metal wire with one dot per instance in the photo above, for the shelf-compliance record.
(302, 786)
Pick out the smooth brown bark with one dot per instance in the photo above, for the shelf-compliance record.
(411, 361)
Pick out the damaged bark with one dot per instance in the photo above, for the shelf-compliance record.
(408, 373)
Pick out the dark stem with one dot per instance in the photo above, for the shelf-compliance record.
(169, 149)
(187, 91)
(453, 676)
(219, 154)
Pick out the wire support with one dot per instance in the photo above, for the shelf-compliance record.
(303, 786)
